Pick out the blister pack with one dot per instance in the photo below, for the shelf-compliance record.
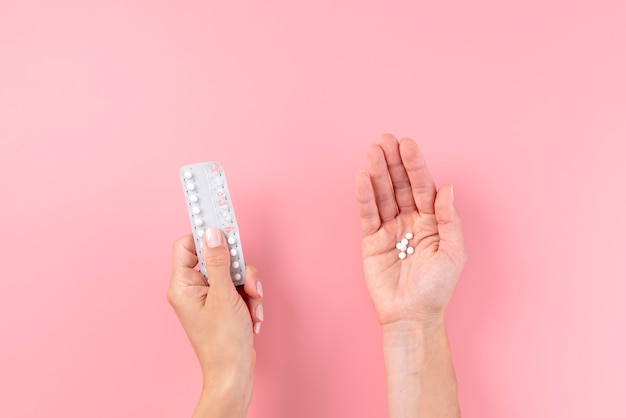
(209, 204)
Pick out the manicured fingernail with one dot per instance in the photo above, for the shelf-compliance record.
(257, 327)
(213, 237)
(452, 193)
(259, 288)
(258, 311)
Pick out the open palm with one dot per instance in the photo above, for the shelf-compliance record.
(397, 195)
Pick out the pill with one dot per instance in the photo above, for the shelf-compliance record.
(193, 198)
(200, 233)
(400, 246)
(235, 264)
(198, 222)
(191, 186)
(188, 174)
(404, 241)
(410, 250)
(195, 210)
(237, 276)
(231, 240)
(402, 255)
(409, 235)
(233, 252)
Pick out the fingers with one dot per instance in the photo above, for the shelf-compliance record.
(184, 253)
(449, 225)
(216, 259)
(400, 180)
(368, 211)
(397, 172)
(184, 259)
(379, 175)
(422, 184)
(254, 292)
(184, 275)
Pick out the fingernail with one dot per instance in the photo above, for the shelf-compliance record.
(213, 237)
(259, 312)
(452, 193)
(257, 327)
(259, 288)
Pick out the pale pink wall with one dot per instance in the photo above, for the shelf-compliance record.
(521, 105)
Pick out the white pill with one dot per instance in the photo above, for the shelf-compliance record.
(399, 246)
(410, 250)
(195, 210)
(188, 174)
(404, 241)
(200, 233)
(409, 235)
(191, 186)
(237, 276)
(233, 252)
(402, 255)
(198, 222)
(193, 198)
(235, 264)
(231, 240)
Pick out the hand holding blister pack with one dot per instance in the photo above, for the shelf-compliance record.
(209, 204)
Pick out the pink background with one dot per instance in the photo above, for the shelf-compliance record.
(521, 105)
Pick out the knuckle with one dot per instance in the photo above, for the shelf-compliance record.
(171, 297)
(179, 242)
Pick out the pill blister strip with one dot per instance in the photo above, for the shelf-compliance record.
(209, 204)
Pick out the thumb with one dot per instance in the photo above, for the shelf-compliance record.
(216, 258)
(449, 225)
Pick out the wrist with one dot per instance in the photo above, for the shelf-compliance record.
(409, 345)
(413, 332)
(225, 393)
(420, 375)
(212, 407)
(224, 400)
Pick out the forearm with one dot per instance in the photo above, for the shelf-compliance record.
(420, 375)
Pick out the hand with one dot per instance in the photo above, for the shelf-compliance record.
(218, 320)
(397, 195)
